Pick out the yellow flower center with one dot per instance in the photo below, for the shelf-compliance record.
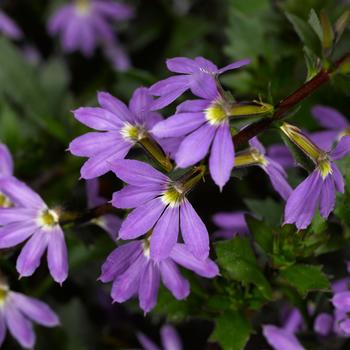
(248, 157)
(325, 167)
(216, 114)
(172, 197)
(4, 201)
(48, 218)
(4, 290)
(132, 132)
(82, 7)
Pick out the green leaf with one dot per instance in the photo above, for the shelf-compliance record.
(267, 209)
(261, 232)
(315, 23)
(305, 278)
(305, 33)
(311, 61)
(231, 331)
(237, 260)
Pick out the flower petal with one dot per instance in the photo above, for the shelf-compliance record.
(195, 146)
(178, 125)
(98, 118)
(341, 301)
(114, 106)
(301, 204)
(2, 328)
(149, 285)
(101, 163)
(138, 173)
(30, 256)
(234, 65)
(15, 233)
(173, 280)
(181, 65)
(232, 221)
(11, 215)
(165, 234)
(57, 257)
(133, 196)
(338, 179)
(146, 342)
(119, 260)
(35, 310)
(6, 162)
(182, 256)
(192, 106)
(222, 156)
(329, 117)
(20, 327)
(278, 179)
(141, 219)
(193, 230)
(170, 338)
(342, 148)
(93, 143)
(327, 200)
(323, 324)
(280, 339)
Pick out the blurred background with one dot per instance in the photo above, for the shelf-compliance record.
(40, 84)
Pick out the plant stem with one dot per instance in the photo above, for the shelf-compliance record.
(289, 102)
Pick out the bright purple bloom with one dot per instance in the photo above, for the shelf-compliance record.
(160, 205)
(85, 23)
(203, 124)
(119, 128)
(169, 337)
(274, 170)
(318, 189)
(32, 221)
(196, 74)
(284, 337)
(231, 224)
(109, 222)
(18, 312)
(335, 123)
(9, 28)
(134, 272)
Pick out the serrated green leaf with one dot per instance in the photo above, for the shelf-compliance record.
(305, 33)
(305, 278)
(261, 232)
(231, 331)
(237, 260)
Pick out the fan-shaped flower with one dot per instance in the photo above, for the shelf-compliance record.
(196, 74)
(160, 205)
(84, 23)
(29, 218)
(134, 272)
(119, 128)
(18, 312)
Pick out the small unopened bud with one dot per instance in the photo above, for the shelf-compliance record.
(187, 181)
(248, 109)
(302, 141)
(249, 157)
(328, 34)
(156, 152)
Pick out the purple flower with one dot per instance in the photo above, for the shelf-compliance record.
(9, 28)
(196, 74)
(281, 155)
(6, 162)
(323, 324)
(160, 205)
(31, 220)
(336, 124)
(18, 312)
(119, 128)
(202, 124)
(109, 222)
(231, 224)
(134, 272)
(284, 337)
(274, 170)
(84, 23)
(319, 188)
(169, 336)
